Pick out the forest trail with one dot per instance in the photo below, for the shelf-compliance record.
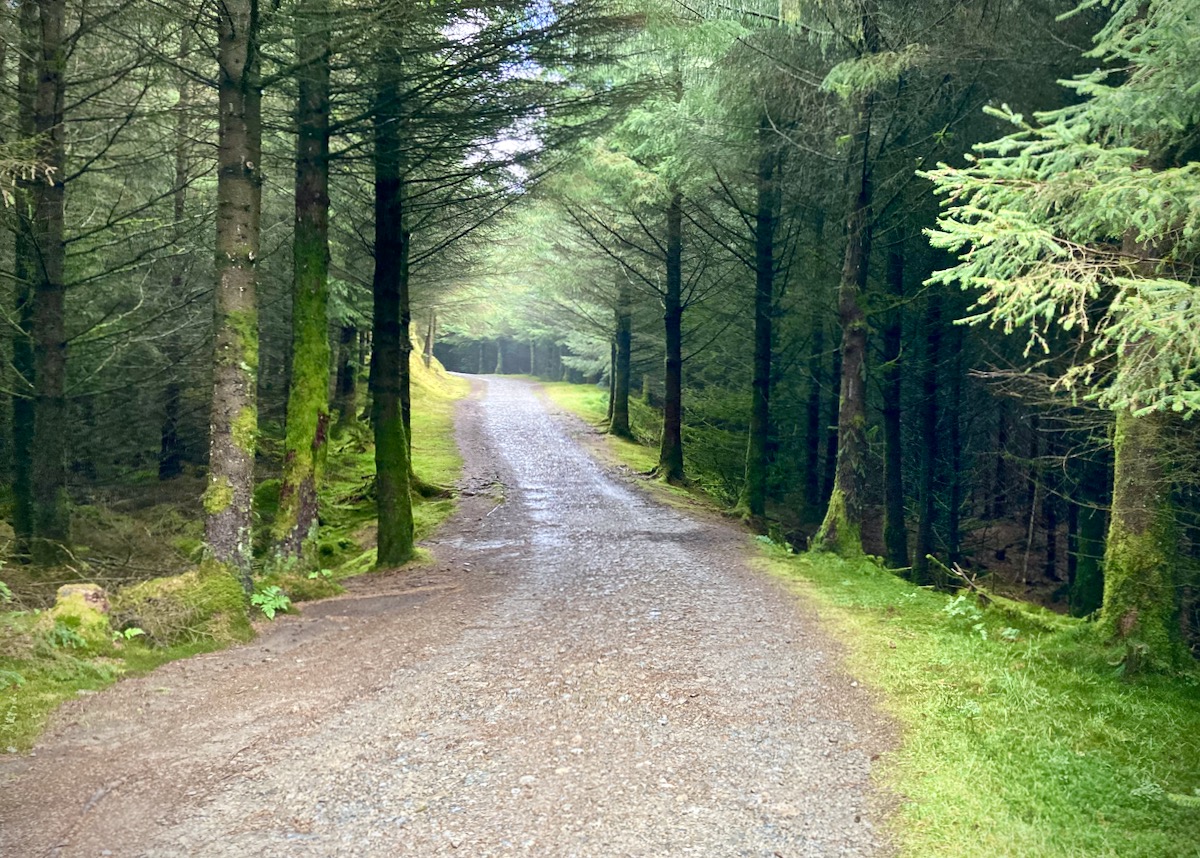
(581, 671)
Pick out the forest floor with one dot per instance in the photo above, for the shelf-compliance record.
(577, 669)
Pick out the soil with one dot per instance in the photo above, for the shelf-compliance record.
(579, 670)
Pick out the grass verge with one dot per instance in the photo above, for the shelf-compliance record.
(1019, 738)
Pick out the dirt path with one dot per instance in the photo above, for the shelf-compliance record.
(581, 672)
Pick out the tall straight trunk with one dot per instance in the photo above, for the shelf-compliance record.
(499, 370)
(234, 417)
(392, 490)
(1141, 601)
(25, 257)
(670, 454)
(170, 453)
(895, 534)
(754, 491)
(619, 424)
(45, 273)
(813, 436)
(930, 448)
(346, 386)
(307, 435)
(841, 531)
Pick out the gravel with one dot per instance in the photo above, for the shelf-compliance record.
(579, 671)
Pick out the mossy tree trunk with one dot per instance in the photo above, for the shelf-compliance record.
(670, 454)
(1141, 562)
(618, 424)
(306, 440)
(392, 489)
(753, 500)
(895, 533)
(841, 530)
(44, 269)
(234, 417)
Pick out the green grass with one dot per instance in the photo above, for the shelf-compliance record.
(1019, 737)
(34, 683)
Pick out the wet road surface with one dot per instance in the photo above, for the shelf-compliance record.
(581, 671)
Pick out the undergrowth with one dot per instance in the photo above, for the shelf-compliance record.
(1018, 733)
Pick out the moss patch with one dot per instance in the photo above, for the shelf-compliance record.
(206, 603)
(81, 609)
(217, 496)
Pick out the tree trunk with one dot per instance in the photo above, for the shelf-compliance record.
(753, 499)
(1141, 560)
(895, 534)
(619, 424)
(305, 443)
(499, 370)
(841, 531)
(670, 455)
(930, 448)
(234, 419)
(392, 490)
(45, 269)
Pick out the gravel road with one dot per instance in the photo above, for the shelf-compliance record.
(579, 671)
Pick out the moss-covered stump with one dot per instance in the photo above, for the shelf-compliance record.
(84, 609)
(205, 603)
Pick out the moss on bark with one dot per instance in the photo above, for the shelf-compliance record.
(839, 532)
(1141, 599)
